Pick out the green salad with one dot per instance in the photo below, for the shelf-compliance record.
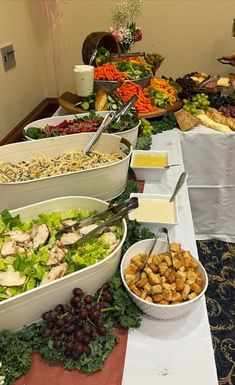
(38, 251)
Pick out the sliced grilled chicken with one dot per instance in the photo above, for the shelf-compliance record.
(11, 248)
(86, 229)
(69, 239)
(19, 236)
(56, 255)
(41, 236)
(11, 278)
(55, 273)
(109, 238)
(69, 223)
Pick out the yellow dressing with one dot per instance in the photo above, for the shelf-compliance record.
(150, 160)
(154, 210)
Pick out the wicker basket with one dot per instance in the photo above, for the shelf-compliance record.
(97, 40)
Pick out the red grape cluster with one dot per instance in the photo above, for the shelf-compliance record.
(73, 326)
(187, 85)
(228, 111)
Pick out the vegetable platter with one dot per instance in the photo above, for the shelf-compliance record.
(87, 122)
(154, 100)
(106, 181)
(27, 307)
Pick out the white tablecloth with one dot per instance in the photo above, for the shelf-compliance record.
(209, 160)
(178, 351)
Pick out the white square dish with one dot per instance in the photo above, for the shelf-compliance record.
(145, 172)
(155, 197)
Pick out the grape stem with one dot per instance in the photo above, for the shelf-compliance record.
(99, 296)
(112, 308)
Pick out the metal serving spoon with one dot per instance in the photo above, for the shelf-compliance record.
(178, 186)
(92, 58)
(172, 165)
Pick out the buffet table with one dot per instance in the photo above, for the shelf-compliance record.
(167, 352)
(209, 159)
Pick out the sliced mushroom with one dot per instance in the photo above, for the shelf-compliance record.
(55, 273)
(69, 239)
(19, 236)
(41, 236)
(11, 278)
(86, 229)
(11, 248)
(56, 255)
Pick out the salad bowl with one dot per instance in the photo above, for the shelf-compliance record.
(130, 134)
(27, 307)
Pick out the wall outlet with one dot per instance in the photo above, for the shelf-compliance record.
(8, 57)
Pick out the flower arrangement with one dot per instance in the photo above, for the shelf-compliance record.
(125, 30)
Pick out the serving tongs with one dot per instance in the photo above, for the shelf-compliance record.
(119, 211)
(161, 231)
(110, 118)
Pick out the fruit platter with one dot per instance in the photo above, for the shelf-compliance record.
(207, 100)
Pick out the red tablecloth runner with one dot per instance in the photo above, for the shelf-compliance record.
(43, 374)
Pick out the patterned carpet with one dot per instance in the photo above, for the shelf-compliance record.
(218, 259)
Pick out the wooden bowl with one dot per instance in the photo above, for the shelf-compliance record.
(98, 40)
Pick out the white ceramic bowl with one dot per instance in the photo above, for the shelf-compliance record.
(148, 173)
(131, 135)
(155, 310)
(28, 307)
(158, 197)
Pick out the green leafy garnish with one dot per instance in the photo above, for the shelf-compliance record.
(143, 143)
(123, 312)
(35, 133)
(131, 187)
(15, 356)
(167, 122)
(135, 233)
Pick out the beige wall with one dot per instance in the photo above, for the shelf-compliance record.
(191, 34)
(24, 86)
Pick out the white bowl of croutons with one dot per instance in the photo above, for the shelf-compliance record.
(163, 290)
